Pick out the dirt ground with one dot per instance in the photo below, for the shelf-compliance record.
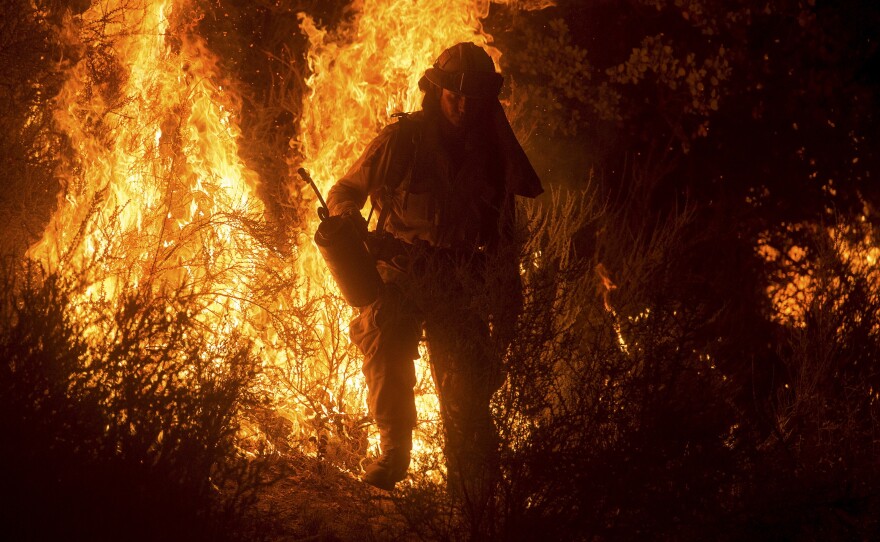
(313, 501)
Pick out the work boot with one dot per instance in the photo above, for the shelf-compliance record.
(389, 469)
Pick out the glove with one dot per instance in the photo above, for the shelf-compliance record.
(358, 221)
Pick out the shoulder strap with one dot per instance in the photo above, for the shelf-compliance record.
(397, 163)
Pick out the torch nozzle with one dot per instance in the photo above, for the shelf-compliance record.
(324, 211)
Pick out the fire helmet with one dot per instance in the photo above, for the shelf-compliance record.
(466, 69)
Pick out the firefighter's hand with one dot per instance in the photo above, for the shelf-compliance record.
(358, 221)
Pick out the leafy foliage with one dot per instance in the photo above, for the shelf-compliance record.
(555, 76)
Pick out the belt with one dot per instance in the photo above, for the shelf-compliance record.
(386, 247)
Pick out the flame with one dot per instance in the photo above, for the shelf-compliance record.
(156, 164)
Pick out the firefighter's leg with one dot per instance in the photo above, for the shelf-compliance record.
(466, 375)
(387, 333)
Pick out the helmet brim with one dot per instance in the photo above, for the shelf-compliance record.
(470, 84)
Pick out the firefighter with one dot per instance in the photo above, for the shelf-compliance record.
(443, 182)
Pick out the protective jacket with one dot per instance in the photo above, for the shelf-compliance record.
(449, 194)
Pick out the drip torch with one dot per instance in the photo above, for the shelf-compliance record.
(345, 252)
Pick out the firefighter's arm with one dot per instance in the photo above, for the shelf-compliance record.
(350, 193)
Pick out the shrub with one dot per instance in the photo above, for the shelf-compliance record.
(130, 435)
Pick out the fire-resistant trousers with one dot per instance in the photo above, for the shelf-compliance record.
(465, 368)
(387, 333)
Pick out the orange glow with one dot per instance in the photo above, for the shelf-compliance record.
(795, 288)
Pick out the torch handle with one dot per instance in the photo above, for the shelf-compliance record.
(324, 211)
